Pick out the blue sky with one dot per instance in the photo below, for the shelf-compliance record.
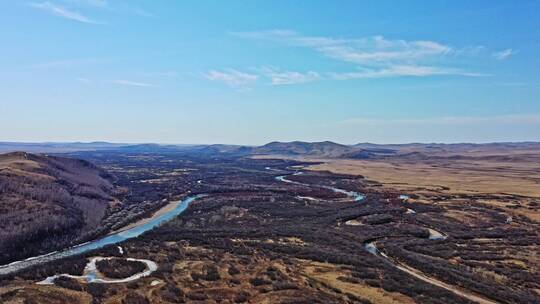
(249, 72)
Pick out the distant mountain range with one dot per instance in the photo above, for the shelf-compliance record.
(295, 148)
(57, 147)
(325, 149)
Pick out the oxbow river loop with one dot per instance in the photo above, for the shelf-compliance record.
(99, 243)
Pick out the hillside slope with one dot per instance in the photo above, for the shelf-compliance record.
(48, 202)
(322, 149)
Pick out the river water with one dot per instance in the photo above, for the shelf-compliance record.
(354, 195)
(134, 232)
(99, 243)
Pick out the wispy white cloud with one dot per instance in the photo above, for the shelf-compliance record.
(233, 78)
(279, 77)
(132, 83)
(504, 54)
(275, 76)
(369, 50)
(84, 80)
(71, 9)
(402, 71)
(377, 56)
(370, 57)
(380, 50)
(62, 12)
(514, 119)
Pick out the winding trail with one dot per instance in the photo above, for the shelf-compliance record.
(371, 247)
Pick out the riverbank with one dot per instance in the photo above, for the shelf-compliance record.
(161, 211)
(114, 238)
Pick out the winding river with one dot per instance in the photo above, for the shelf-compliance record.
(371, 247)
(99, 243)
(355, 195)
(90, 273)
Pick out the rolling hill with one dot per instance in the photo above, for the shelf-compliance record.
(48, 201)
(323, 149)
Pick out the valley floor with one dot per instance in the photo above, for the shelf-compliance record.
(257, 239)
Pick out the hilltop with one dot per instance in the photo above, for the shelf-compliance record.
(325, 148)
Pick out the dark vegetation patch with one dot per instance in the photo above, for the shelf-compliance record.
(48, 202)
(119, 268)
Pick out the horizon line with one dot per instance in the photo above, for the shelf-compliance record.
(256, 145)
